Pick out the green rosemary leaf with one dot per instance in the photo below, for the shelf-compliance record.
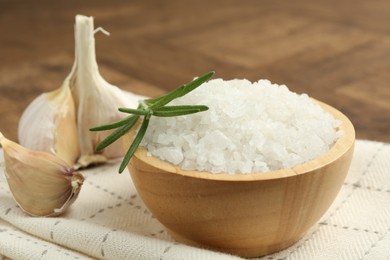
(148, 108)
(141, 112)
(179, 92)
(135, 144)
(151, 101)
(180, 107)
(117, 133)
(179, 111)
(112, 125)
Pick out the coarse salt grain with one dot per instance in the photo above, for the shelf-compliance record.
(248, 128)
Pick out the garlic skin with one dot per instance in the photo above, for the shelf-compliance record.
(97, 101)
(41, 183)
(49, 124)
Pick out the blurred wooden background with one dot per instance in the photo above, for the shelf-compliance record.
(336, 51)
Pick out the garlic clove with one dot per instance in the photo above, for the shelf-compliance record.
(96, 100)
(41, 183)
(49, 124)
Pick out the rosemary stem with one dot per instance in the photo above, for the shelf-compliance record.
(146, 109)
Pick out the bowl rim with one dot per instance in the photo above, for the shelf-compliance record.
(343, 144)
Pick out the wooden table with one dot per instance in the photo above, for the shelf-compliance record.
(336, 51)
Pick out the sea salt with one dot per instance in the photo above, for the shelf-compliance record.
(249, 127)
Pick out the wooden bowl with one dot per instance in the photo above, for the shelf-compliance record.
(244, 214)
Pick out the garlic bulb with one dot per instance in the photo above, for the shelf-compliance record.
(59, 121)
(49, 124)
(41, 183)
(96, 100)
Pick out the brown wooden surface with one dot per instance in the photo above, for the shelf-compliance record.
(336, 51)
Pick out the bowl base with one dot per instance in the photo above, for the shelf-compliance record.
(248, 252)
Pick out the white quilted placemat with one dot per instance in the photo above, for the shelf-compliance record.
(109, 221)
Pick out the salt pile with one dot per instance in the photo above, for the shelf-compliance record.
(248, 128)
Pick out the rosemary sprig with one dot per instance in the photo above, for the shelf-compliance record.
(146, 109)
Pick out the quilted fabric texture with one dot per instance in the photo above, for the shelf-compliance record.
(110, 221)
